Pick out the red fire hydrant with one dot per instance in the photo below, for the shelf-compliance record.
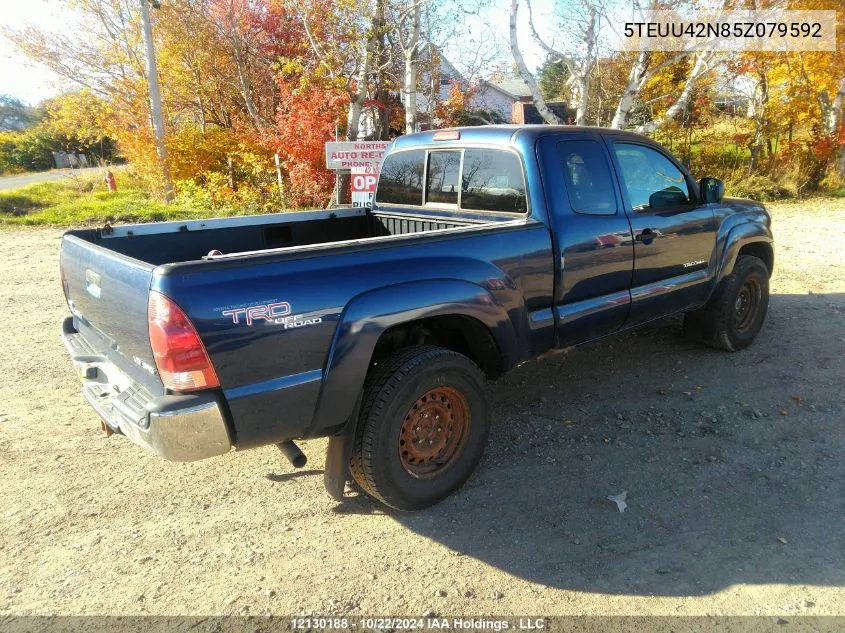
(110, 181)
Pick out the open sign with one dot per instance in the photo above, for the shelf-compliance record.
(363, 182)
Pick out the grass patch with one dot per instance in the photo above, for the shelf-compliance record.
(85, 201)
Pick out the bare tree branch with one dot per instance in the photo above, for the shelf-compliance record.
(702, 66)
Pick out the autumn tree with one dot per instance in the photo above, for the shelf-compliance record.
(458, 109)
(552, 79)
(306, 119)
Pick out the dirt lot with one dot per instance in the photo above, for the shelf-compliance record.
(733, 467)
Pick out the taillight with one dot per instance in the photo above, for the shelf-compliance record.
(180, 356)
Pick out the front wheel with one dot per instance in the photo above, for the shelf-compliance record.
(423, 427)
(735, 315)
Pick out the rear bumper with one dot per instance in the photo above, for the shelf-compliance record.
(181, 428)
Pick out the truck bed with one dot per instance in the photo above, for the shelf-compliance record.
(174, 242)
(108, 272)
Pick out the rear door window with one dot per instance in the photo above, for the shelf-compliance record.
(492, 181)
(401, 178)
(442, 185)
(589, 185)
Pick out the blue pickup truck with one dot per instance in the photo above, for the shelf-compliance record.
(380, 328)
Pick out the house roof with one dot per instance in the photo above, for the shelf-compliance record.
(513, 86)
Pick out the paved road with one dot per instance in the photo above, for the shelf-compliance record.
(21, 180)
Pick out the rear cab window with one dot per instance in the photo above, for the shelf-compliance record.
(589, 185)
(492, 181)
(444, 168)
(468, 179)
(401, 178)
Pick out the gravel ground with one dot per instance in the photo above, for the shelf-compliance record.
(732, 463)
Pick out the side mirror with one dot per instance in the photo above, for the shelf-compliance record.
(667, 199)
(712, 189)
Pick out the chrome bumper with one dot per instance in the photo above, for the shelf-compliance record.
(182, 428)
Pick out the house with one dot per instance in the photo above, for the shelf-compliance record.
(733, 103)
(527, 113)
(506, 95)
(500, 95)
(497, 94)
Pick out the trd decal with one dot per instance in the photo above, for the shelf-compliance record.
(270, 312)
(278, 313)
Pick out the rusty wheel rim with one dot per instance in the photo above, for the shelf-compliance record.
(434, 432)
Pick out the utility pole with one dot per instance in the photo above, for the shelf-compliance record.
(155, 98)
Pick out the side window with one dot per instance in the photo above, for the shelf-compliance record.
(492, 181)
(652, 180)
(443, 169)
(589, 185)
(401, 178)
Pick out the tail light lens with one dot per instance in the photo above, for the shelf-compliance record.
(180, 356)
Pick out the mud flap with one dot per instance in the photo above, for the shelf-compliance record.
(337, 456)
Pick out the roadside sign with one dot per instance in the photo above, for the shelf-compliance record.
(363, 189)
(355, 155)
(361, 159)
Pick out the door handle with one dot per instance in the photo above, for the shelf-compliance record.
(646, 236)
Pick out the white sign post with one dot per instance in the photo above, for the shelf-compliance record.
(361, 159)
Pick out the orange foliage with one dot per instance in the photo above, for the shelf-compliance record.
(457, 103)
(305, 122)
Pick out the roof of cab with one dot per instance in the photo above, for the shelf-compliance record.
(502, 134)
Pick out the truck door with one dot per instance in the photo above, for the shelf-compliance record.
(592, 235)
(674, 234)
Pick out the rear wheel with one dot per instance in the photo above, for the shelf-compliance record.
(734, 317)
(423, 427)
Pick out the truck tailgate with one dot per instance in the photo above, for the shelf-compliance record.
(107, 294)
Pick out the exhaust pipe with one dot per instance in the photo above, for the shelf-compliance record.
(293, 454)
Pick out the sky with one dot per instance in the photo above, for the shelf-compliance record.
(19, 77)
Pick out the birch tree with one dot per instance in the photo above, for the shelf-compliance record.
(643, 69)
(408, 31)
(646, 65)
(579, 64)
(359, 88)
(834, 122)
(586, 21)
(701, 66)
(833, 116)
(527, 76)
(344, 46)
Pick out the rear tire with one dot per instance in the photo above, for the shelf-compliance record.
(423, 427)
(734, 316)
